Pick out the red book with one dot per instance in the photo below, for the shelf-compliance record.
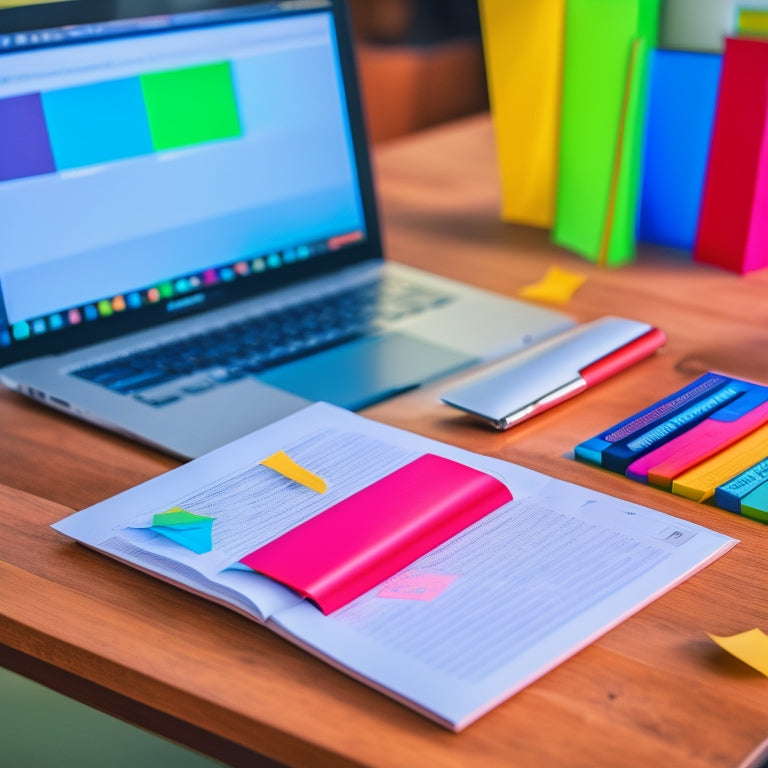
(733, 224)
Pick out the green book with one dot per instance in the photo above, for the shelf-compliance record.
(605, 75)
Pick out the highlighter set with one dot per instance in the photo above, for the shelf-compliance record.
(708, 441)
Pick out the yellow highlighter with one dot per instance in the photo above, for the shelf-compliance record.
(699, 482)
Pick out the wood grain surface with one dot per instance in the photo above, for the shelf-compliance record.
(653, 691)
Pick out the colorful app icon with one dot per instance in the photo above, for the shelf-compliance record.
(105, 308)
(55, 321)
(39, 326)
(21, 331)
(74, 316)
(90, 312)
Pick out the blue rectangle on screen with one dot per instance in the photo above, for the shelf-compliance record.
(681, 109)
(99, 123)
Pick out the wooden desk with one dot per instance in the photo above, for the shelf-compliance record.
(654, 691)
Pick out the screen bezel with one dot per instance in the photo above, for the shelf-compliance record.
(78, 12)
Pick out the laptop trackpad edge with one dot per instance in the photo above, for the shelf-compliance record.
(367, 371)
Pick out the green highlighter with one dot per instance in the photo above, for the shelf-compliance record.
(607, 44)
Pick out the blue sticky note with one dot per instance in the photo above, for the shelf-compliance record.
(681, 110)
(197, 538)
(192, 531)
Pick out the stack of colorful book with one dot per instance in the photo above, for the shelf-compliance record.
(626, 120)
(706, 442)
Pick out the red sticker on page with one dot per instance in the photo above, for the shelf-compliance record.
(417, 586)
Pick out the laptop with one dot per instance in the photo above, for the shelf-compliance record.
(189, 244)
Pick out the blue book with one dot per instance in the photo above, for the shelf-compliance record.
(681, 110)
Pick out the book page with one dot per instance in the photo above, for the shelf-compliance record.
(458, 630)
(249, 506)
(509, 598)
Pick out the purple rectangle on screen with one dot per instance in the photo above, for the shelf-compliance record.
(25, 149)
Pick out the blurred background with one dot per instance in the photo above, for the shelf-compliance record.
(420, 61)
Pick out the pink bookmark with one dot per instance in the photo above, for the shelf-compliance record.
(368, 537)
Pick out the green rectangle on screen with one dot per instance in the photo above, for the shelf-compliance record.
(191, 106)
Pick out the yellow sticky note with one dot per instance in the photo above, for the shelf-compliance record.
(281, 462)
(557, 286)
(751, 647)
(523, 45)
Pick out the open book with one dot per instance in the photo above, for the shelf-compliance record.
(444, 579)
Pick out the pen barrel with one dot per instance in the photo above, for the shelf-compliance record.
(643, 346)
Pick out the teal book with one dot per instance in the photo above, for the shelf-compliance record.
(731, 495)
(755, 504)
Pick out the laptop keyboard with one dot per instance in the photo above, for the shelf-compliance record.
(193, 364)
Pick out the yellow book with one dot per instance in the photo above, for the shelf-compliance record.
(699, 483)
(523, 44)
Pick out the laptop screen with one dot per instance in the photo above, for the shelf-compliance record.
(166, 164)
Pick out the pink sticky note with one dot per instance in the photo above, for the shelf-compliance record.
(368, 537)
(417, 586)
